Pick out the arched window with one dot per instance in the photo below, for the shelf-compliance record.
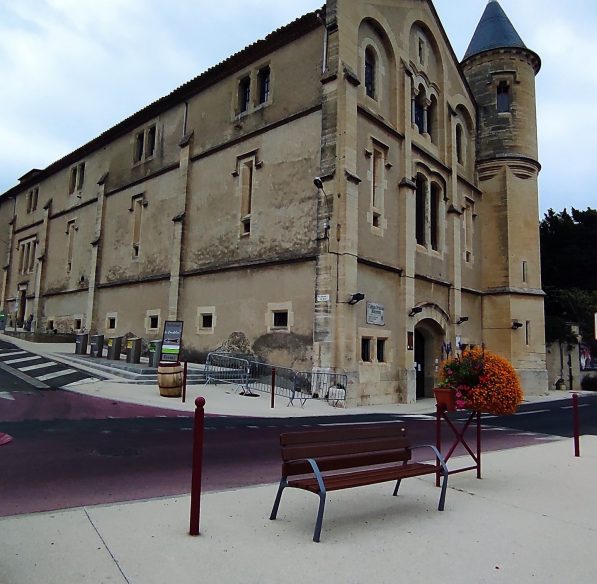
(432, 121)
(434, 216)
(420, 209)
(370, 72)
(459, 151)
(503, 97)
(420, 112)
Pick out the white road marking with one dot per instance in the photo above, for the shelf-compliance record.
(6, 395)
(533, 412)
(56, 374)
(11, 353)
(37, 366)
(570, 407)
(82, 381)
(23, 359)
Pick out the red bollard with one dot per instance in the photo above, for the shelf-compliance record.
(273, 386)
(184, 382)
(197, 465)
(576, 424)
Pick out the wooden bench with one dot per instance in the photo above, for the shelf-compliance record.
(351, 456)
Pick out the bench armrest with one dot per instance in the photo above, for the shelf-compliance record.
(438, 455)
(317, 474)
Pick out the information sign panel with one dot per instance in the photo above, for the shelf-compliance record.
(171, 340)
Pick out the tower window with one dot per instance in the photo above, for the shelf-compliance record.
(370, 72)
(281, 319)
(503, 97)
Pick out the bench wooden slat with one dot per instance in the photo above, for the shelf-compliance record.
(296, 467)
(344, 433)
(362, 478)
(350, 446)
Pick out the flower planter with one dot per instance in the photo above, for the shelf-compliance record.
(446, 396)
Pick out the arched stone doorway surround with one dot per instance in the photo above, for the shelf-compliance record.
(430, 333)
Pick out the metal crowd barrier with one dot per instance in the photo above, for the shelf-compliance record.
(254, 376)
(223, 368)
(319, 385)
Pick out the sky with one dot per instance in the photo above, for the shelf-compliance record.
(70, 69)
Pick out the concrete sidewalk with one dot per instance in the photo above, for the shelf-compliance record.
(530, 519)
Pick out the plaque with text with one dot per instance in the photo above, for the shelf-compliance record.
(375, 314)
(171, 340)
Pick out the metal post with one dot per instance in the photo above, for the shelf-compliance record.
(197, 465)
(438, 439)
(478, 444)
(184, 382)
(273, 386)
(576, 424)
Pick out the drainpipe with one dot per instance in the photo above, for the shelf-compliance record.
(325, 42)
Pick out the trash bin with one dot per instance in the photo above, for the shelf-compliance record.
(114, 348)
(133, 350)
(81, 344)
(2, 321)
(96, 346)
(155, 352)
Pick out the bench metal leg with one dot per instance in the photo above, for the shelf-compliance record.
(283, 485)
(319, 521)
(442, 496)
(396, 487)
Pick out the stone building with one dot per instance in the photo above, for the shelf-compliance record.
(345, 193)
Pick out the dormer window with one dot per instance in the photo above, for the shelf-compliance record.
(370, 73)
(77, 178)
(263, 82)
(145, 141)
(244, 94)
(503, 97)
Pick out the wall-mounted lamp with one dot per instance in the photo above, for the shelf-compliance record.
(516, 325)
(415, 310)
(462, 319)
(318, 183)
(356, 297)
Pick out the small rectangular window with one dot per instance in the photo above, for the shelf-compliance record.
(72, 185)
(111, 322)
(244, 94)
(263, 79)
(150, 147)
(154, 321)
(207, 321)
(137, 209)
(139, 144)
(527, 333)
(80, 175)
(524, 272)
(281, 319)
(503, 97)
(70, 244)
(50, 325)
(381, 350)
(365, 349)
(78, 324)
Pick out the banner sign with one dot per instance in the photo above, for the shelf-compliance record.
(171, 340)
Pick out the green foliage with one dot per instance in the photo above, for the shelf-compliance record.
(568, 262)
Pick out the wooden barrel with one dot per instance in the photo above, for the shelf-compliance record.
(170, 379)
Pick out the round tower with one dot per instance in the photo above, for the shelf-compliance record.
(501, 71)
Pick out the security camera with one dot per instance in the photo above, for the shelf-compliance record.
(318, 182)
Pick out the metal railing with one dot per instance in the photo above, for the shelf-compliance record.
(254, 376)
(223, 368)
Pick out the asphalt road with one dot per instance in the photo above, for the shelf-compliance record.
(71, 450)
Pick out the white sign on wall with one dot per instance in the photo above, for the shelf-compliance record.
(375, 314)
(323, 298)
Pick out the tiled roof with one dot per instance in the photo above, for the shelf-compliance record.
(494, 31)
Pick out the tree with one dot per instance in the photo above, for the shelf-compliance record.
(569, 272)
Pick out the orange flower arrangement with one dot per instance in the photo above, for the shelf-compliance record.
(483, 382)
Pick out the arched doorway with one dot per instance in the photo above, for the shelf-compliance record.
(429, 337)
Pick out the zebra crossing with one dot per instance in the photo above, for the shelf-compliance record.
(45, 372)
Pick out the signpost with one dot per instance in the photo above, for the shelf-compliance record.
(171, 340)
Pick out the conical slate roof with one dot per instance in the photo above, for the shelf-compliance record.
(494, 31)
